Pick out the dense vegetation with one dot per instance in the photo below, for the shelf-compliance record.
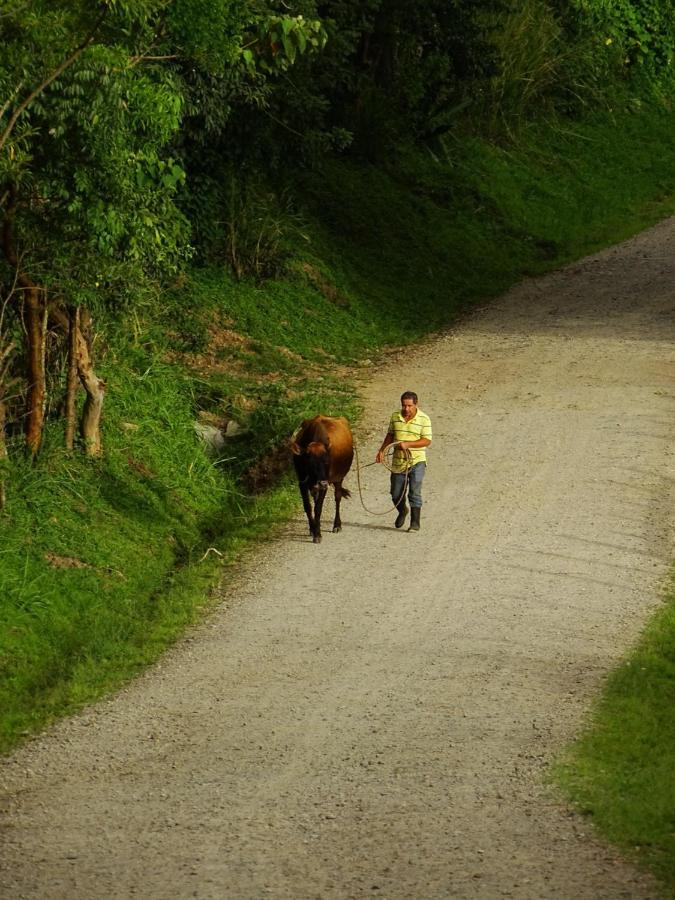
(136, 134)
(216, 212)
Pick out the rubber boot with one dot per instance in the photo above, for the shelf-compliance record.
(415, 519)
(402, 513)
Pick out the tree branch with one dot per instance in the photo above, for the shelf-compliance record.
(45, 84)
(4, 355)
(138, 59)
(8, 101)
(13, 12)
(6, 300)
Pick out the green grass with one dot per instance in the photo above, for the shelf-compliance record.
(101, 562)
(621, 770)
(482, 215)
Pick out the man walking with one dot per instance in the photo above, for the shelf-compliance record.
(409, 429)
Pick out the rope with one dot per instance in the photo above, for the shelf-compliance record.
(387, 463)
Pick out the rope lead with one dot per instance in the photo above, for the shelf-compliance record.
(387, 463)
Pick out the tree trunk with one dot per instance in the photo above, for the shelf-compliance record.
(71, 378)
(384, 38)
(36, 321)
(36, 309)
(90, 423)
(5, 356)
(35, 318)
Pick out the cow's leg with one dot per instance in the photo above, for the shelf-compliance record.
(337, 522)
(307, 503)
(318, 506)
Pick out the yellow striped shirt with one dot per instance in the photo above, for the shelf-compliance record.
(414, 429)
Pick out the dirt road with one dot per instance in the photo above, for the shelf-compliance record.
(374, 717)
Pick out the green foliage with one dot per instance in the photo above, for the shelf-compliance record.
(240, 219)
(88, 181)
(256, 227)
(620, 771)
(279, 40)
(208, 32)
(96, 216)
(89, 113)
(394, 71)
(637, 37)
(557, 58)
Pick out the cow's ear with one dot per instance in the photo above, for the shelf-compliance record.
(295, 448)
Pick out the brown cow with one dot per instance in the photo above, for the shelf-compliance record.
(323, 450)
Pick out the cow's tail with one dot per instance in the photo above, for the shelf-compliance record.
(346, 494)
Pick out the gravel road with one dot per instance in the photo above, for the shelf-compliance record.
(374, 716)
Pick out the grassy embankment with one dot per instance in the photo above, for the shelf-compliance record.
(620, 771)
(101, 564)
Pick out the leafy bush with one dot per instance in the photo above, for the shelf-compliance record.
(632, 39)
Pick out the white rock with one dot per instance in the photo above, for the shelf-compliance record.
(213, 437)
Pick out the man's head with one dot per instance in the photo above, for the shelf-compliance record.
(408, 404)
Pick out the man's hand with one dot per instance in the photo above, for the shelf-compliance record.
(380, 453)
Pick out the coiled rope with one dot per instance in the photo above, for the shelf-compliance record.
(387, 462)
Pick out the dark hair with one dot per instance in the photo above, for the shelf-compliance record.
(409, 395)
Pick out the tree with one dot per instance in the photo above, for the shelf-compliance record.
(89, 104)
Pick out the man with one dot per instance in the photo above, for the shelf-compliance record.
(409, 429)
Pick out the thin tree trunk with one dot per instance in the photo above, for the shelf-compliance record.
(71, 378)
(90, 423)
(36, 321)
(35, 315)
(5, 355)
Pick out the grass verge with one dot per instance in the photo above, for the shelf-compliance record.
(620, 771)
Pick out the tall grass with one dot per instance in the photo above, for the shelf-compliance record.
(530, 58)
(544, 66)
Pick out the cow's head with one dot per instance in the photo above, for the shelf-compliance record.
(311, 463)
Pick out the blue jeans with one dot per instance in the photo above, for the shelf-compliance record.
(415, 478)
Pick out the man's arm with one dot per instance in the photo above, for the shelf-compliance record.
(412, 445)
